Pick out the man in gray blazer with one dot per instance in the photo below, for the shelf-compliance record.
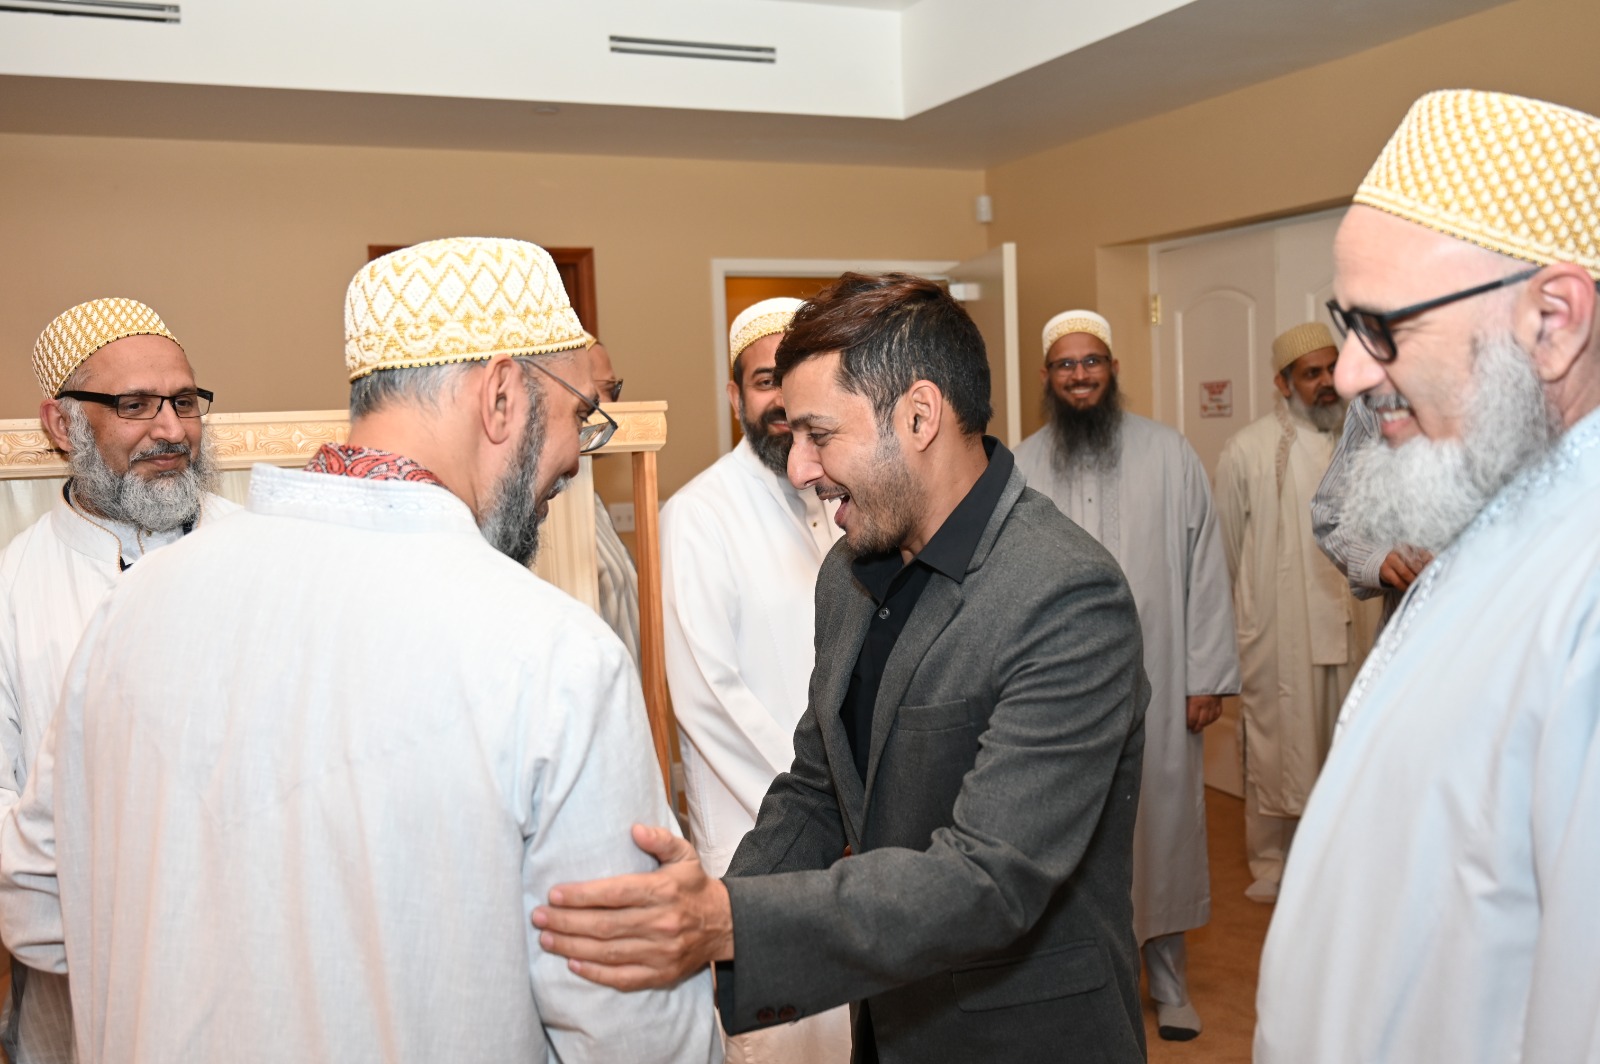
(951, 850)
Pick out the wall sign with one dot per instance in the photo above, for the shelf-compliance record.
(1216, 398)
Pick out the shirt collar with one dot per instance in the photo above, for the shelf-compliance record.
(950, 549)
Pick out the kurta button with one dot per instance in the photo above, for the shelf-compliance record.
(765, 1015)
(787, 1013)
(883, 614)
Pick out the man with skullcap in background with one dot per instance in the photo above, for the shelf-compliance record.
(740, 550)
(1302, 636)
(120, 401)
(1139, 488)
(313, 766)
(1439, 904)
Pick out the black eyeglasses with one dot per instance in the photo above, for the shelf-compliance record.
(593, 436)
(137, 406)
(1067, 365)
(610, 391)
(1372, 328)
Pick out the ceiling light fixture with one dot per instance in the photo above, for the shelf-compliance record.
(737, 53)
(124, 10)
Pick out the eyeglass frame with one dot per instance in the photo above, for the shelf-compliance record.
(1067, 365)
(114, 401)
(1344, 321)
(599, 434)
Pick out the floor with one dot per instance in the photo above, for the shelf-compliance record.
(1223, 955)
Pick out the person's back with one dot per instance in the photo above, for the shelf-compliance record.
(335, 860)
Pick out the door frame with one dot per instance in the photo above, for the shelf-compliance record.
(722, 269)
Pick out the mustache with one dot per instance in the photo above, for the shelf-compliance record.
(773, 416)
(161, 450)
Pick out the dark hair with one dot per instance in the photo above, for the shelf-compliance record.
(890, 331)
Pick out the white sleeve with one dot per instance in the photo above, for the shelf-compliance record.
(592, 774)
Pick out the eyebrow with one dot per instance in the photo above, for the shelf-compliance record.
(807, 421)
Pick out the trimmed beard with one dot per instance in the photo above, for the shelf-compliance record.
(1424, 492)
(511, 521)
(888, 521)
(1085, 439)
(151, 504)
(1325, 418)
(771, 447)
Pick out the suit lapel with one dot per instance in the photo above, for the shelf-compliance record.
(833, 682)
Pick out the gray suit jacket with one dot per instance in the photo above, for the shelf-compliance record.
(986, 912)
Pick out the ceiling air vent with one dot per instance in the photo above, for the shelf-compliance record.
(736, 53)
(126, 10)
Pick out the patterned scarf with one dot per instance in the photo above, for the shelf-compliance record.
(367, 463)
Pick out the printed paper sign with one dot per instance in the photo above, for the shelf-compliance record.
(1216, 398)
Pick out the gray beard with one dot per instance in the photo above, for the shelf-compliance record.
(1328, 418)
(1085, 440)
(511, 521)
(1425, 492)
(151, 504)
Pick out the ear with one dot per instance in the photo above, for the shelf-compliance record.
(733, 396)
(54, 420)
(1282, 382)
(1116, 367)
(501, 397)
(1555, 319)
(924, 413)
(1044, 373)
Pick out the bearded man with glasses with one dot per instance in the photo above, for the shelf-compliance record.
(1439, 903)
(1138, 488)
(311, 767)
(120, 402)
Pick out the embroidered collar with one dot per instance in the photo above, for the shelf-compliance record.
(368, 463)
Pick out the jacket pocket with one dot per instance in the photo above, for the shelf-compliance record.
(1074, 969)
(933, 718)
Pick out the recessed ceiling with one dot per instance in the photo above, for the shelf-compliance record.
(925, 114)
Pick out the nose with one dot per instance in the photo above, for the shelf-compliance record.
(805, 469)
(1356, 372)
(166, 426)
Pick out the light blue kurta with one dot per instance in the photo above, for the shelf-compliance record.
(1442, 902)
(1155, 515)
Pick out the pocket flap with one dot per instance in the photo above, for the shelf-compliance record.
(933, 718)
(1074, 969)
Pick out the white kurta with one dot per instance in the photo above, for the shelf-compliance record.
(740, 550)
(1441, 900)
(53, 575)
(313, 769)
(1302, 635)
(1154, 514)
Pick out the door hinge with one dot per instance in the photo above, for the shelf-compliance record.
(1155, 310)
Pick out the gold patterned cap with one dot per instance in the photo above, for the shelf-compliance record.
(463, 299)
(1517, 176)
(760, 319)
(1298, 341)
(74, 335)
(1076, 321)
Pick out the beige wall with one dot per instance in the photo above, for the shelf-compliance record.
(246, 249)
(1297, 143)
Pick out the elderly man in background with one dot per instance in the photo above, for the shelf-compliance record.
(120, 401)
(1139, 488)
(1440, 900)
(313, 766)
(1302, 635)
(618, 577)
(740, 550)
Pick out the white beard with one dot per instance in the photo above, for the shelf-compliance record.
(1424, 492)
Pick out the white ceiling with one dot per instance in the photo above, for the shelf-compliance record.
(907, 82)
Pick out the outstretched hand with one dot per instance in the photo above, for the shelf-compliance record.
(642, 931)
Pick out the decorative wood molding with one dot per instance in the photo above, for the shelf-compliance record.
(289, 438)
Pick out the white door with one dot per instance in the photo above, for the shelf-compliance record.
(987, 288)
(1223, 298)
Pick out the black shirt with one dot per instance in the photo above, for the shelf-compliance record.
(896, 587)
